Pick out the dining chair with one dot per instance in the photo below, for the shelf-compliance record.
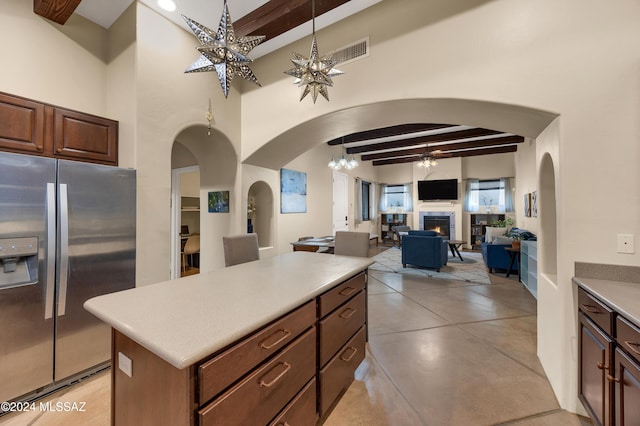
(399, 231)
(191, 247)
(240, 248)
(349, 243)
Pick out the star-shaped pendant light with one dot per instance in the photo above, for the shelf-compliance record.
(314, 74)
(223, 52)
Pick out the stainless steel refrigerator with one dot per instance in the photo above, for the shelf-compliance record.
(67, 233)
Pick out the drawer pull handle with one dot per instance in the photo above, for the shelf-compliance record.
(347, 291)
(590, 308)
(612, 379)
(285, 334)
(633, 346)
(601, 366)
(353, 352)
(287, 367)
(347, 313)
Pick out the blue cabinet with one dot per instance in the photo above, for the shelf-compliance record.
(529, 266)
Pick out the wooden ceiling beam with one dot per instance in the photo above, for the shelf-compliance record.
(384, 132)
(449, 146)
(57, 11)
(474, 152)
(279, 16)
(443, 137)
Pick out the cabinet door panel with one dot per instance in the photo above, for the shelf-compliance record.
(338, 374)
(21, 125)
(338, 327)
(627, 391)
(594, 390)
(86, 137)
(302, 410)
(338, 295)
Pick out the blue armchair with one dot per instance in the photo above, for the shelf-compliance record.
(424, 248)
(496, 257)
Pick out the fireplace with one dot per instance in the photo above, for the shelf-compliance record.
(440, 224)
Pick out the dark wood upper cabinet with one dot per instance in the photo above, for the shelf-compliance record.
(21, 125)
(79, 136)
(32, 127)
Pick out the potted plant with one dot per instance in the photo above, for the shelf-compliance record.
(502, 223)
(516, 238)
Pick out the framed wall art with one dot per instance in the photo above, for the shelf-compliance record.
(218, 202)
(527, 204)
(293, 191)
(534, 204)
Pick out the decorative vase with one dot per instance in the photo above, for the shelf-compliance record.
(515, 244)
(249, 226)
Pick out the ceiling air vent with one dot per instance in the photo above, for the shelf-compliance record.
(352, 52)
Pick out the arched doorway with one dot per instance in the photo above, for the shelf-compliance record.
(215, 159)
(260, 212)
(548, 219)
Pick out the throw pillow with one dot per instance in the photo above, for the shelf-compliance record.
(492, 233)
(502, 240)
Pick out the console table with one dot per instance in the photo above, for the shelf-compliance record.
(275, 340)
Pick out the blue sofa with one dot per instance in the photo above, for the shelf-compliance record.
(424, 248)
(496, 257)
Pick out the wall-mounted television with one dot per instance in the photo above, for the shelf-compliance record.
(438, 190)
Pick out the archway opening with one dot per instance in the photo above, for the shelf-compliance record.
(548, 218)
(213, 155)
(260, 213)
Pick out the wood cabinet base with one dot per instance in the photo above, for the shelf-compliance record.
(272, 376)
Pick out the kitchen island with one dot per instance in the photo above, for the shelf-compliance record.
(275, 340)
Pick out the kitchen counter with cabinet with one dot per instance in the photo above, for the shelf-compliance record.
(609, 350)
(274, 339)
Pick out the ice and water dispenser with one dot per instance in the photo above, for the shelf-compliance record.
(18, 261)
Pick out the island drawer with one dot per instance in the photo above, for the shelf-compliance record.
(337, 375)
(340, 325)
(596, 311)
(220, 372)
(302, 410)
(335, 297)
(628, 337)
(259, 397)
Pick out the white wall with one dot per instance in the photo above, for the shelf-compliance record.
(526, 183)
(169, 101)
(41, 62)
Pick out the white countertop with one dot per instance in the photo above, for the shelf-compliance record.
(623, 297)
(184, 320)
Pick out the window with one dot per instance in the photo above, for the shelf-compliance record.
(489, 193)
(366, 200)
(484, 194)
(396, 198)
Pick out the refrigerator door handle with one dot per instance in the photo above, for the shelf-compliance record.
(51, 250)
(64, 250)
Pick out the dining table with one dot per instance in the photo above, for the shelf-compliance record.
(325, 244)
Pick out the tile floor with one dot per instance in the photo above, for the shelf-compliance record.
(440, 353)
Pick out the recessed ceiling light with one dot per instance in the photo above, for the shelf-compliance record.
(167, 5)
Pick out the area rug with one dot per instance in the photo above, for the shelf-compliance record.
(472, 269)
